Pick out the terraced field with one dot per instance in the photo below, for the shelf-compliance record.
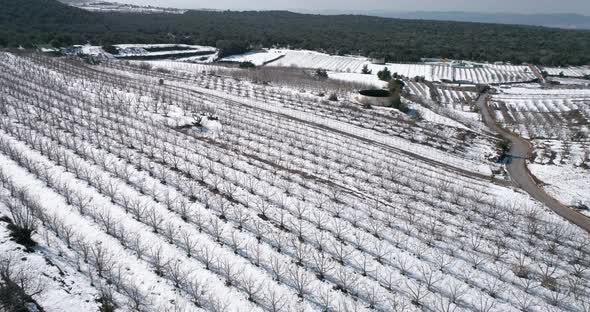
(207, 193)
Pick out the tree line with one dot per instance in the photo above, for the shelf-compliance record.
(30, 22)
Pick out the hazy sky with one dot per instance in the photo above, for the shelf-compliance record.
(508, 6)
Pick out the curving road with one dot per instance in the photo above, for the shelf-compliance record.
(520, 150)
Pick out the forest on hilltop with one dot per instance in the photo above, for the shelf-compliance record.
(30, 22)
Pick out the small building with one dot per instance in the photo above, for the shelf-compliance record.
(378, 60)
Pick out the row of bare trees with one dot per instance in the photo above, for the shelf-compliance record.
(278, 220)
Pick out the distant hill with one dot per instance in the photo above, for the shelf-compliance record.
(29, 22)
(42, 12)
(568, 21)
(109, 6)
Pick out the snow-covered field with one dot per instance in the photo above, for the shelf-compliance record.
(571, 81)
(557, 121)
(258, 58)
(211, 194)
(487, 73)
(573, 71)
(185, 67)
(164, 50)
(372, 80)
(545, 113)
(567, 183)
(103, 6)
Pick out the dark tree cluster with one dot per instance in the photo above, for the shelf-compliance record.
(31, 22)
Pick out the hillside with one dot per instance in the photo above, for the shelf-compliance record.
(572, 21)
(556, 20)
(42, 12)
(41, 21)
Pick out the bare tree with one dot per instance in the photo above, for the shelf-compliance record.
(188, 243)
(429, 276)
(417, 291)
(396, 303)
(103, 259)
(456, 290)
(158, 260)
(346, 280)
(176, 273)
(17, 283)
(322, 264)
(229, 270)
(299, 279)
(443, 304)
(373, 295)
(170, 231)
(218, 305)
(197, 290)
(206, 255)
(23, 218)
(137, 299)
(276, 301)
(154, 219)
(251, 286)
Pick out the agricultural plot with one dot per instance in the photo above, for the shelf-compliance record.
(257, 58)
(448, 144)
(418, 89)
(573, 71)
(457, 97)
(286, 206)
(369, 80)
(571, 81)
(557, 122)
(312, 59)
(186, 68)
(449, 101)
(443, 73)
(163, 51)
(407, 70)
(482, 74)
(181, 52)
(494, 74)
(343, 64)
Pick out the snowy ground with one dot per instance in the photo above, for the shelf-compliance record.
(557, 121)
(276, 201)
(568, 184)
(573, 71)
(571, 81)
(258, 58)
(102, 6)
(64, 288)
(372, 80)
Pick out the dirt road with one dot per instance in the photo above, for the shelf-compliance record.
(520, 151)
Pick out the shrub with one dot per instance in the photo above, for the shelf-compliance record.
(109, 48)
(247, 64)
(321, 73)
(22, 235)
(396, 86)
(384, 74)
(366, 70)
(333, 97)
(503, 145)
(397, 103)
(162, 70)
(145, 66)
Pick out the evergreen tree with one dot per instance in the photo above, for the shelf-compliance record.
(321, 73)
(384, 74)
